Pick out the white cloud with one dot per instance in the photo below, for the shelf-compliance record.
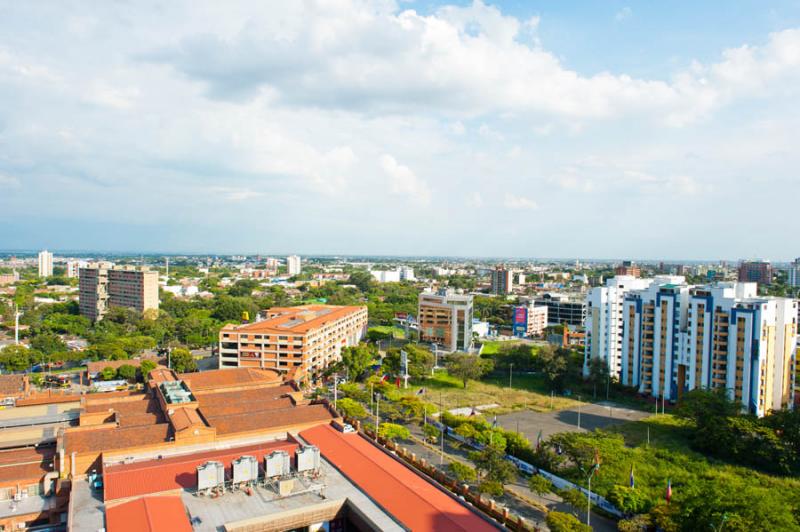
(519, 203)
(235, 194)
(402, 181)
(9, 181)
(623, 14)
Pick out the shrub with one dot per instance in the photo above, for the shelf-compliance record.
(491, 487)
(391, 432)
(463, 472)
(432, 433)
(562, 522)
(350, 408)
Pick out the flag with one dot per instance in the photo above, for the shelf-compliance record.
(539, 440)
(421, 391)
(397, 382)
(632, 481)
(494, 422)
(669, 490)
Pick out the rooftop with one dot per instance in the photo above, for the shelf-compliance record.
(148, 514)
(301, 319)
(392, 485)
(230, 377)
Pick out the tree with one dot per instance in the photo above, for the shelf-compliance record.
(491, 487)
(16, 357)
(463, 472)
(598, 372)
(391, 432)
(357, 359)
(432, 434)
(574, 498)
(127, 372)
(363, 280)
(182, 361)
(350, 408)
(108, 374)
(466, 367)
(48, 343)
(558, 366)
(539, 485)
(145, 368)
(563, 522)
(420, 361)
(492, 465)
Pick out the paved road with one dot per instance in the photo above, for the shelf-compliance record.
(592, 416)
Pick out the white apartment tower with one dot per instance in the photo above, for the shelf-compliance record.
(604, 320)
(293, 265)
(45, 264)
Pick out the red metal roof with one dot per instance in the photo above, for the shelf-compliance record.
(409, 497)
(149, 514)
(176, 472)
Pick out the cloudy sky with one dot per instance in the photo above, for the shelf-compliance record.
(520, 128)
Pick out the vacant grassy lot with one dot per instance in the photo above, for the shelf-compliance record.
(397, 333)
(454, 395)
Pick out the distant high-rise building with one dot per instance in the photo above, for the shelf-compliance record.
(628, 268)
(604, 320)
(563, 309)
(445, 318)
(528, 320)
(407, 274)
(502, 280)
(45, 264)
(293, 265)
(679, 338)
(755, 271)
(794, 273)
(74, 266)
(102, 286)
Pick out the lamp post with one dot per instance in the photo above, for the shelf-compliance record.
(510, 373)
(579, 411)
(721, 523)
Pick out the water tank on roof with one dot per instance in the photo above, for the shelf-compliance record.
(210, 475)
(308, 458)
(277, 464)
(245, 469)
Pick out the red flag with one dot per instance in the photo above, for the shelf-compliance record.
(669, 490)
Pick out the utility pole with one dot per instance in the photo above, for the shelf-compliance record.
(377, 410)
(17, 314)
(552, 393)
(444, 427)
(579, 411)
(335, 389)
(510, 373)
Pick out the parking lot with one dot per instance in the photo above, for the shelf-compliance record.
(592, 416)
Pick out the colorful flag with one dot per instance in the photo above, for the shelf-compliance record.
(633, 483)
(539, 440)
(596, 461)
(669, 490)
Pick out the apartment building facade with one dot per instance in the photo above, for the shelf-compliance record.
(293, 265)
(755, 271)
(102, 286)
(678, 338)
(502, 280)
(793, 278)
(304, 339)
(604, 306)
(528, 320)
(445, 319)
(45, 264)
(563, 309)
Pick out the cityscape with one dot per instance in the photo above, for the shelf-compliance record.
(381, 265)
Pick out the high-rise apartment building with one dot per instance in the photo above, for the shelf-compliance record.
(678, 338)
(45, 264)
(102, 286)
(305, 339)
(794, 274)
(502, 280)
(604, 320)
(293, 265)
(755, 271)
(563, 309)
(74, 266)
(445, 318)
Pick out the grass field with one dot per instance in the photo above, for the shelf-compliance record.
(398, 333)
(526, 393)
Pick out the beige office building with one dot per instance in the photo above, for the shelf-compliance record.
(103, 286)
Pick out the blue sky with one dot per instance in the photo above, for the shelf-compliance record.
(521, 128)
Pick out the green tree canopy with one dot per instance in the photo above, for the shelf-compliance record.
(466, 367)
(357, 359)
(182, 361)
(351, 408)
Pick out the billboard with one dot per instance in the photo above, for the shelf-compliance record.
(519, 322)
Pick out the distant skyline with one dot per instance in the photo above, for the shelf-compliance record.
(467, 129)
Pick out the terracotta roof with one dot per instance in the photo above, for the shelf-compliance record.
(184, 418)
(247, 397)
(229, 377)
(139, 405)
(11, 385)
(409, 497)
(285, 417)
(240, 408)
(26, 464)
(299, 319)
(109, 439)
(177, 472)
(149, 514)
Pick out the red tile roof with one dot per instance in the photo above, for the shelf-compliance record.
(177, 472)
(109, 439)
(250, 421)
(301, 319)
(149, 514)
(222, 378)
(12, 385)
(409, 497)
(26, 464)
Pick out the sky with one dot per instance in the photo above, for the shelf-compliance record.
(523, 128)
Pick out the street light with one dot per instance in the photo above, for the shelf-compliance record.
(510, 373)
(721, 523)
(579, 411)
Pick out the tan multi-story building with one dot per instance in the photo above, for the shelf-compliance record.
(445, 319)
(678, 338)
(103, 286)
(306, 339)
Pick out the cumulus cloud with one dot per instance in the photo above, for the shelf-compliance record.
(519, 203)
(403, 182)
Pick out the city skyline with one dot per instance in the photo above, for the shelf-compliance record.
(491, 128)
